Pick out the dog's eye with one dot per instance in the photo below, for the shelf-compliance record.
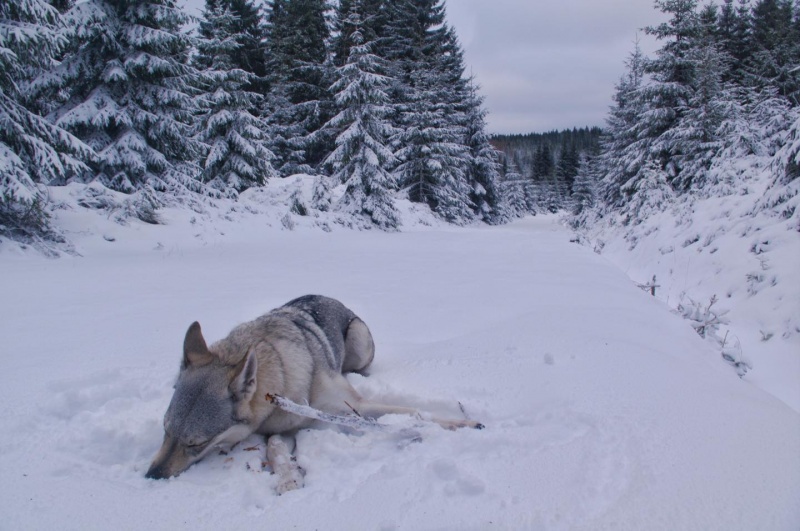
(195, 449)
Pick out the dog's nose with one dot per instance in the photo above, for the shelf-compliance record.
(156, 472)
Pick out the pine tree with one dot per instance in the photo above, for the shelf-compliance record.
(776, 50)
(740, 48)
(543, 164)
(512, 189)
(362, 158)
(482, 166)
(301, 103)
(584, 187)
(694, 140)
(400, 43)
(568, 164)
(433, 153)
(623, 151)
(286, 133)
(727, 41)
(372, 18)
(129, 93)
(248, 29)
(783, 195)
(650, 192)
(673, 74)
(32, 151)
(238, 156)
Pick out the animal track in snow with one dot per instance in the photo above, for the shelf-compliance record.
(456, 483)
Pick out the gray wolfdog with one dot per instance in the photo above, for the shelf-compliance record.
(299, 351)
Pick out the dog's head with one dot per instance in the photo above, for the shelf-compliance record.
(207, 409)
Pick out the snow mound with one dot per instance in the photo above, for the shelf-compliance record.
(88, 214)
(729, 248)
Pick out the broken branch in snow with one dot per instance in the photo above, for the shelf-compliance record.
(351, 421)
(650, 286)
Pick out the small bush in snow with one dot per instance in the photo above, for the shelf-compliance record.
(703, 319)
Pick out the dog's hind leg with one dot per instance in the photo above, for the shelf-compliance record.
(359, 348)
(279, 455)
(336, 396)
(373, 410)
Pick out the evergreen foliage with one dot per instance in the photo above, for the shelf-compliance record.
(716, 104)
(238, 156)
(121, 94)
(128, 93)
(33, 152)
(297, 45)
(362, 159)
(483, 167)
(547, 162)
(247, 29)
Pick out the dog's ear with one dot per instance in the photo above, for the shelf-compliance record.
(243, 385)
(195, 351)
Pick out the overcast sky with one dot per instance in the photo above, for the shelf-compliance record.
(545, 64)
(549, 64)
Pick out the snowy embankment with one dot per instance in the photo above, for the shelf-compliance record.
(735, 257)
(603, 409)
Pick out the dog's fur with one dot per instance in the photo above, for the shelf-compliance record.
(299, 351)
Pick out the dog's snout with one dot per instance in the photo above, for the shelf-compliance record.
(156, 472)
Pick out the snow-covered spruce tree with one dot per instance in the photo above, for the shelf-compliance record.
(371, 26)
(622, 152)
(568, 164)
(694, 140)
(248, 30)
(433, 153)
(362, 158)
(300, 103)
(400, 44)
(285, 133)
(734, 30)
(584, 187)
(776, 48)
(668, 93)
(129, 94)
(238, 156)
(482, 166)
(783, 195)
(33, 152)
(641, 132)
(648, 193)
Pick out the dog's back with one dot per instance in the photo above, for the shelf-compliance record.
(343, 339)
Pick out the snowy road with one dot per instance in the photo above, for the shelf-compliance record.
(603, 409)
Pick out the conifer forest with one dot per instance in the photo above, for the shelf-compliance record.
(371, 95)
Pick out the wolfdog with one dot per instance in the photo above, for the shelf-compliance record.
(299, 351)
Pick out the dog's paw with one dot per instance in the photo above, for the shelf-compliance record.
(456, 424)
(288, 484)
(290, 477)
(469, 424)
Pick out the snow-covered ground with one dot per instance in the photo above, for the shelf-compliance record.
(745, 258)
(603, 409)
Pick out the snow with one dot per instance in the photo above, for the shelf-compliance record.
(725, 247)
(603, 409)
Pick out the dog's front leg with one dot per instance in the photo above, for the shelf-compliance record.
(279, 455)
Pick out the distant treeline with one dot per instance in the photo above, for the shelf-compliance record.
(542, 166)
